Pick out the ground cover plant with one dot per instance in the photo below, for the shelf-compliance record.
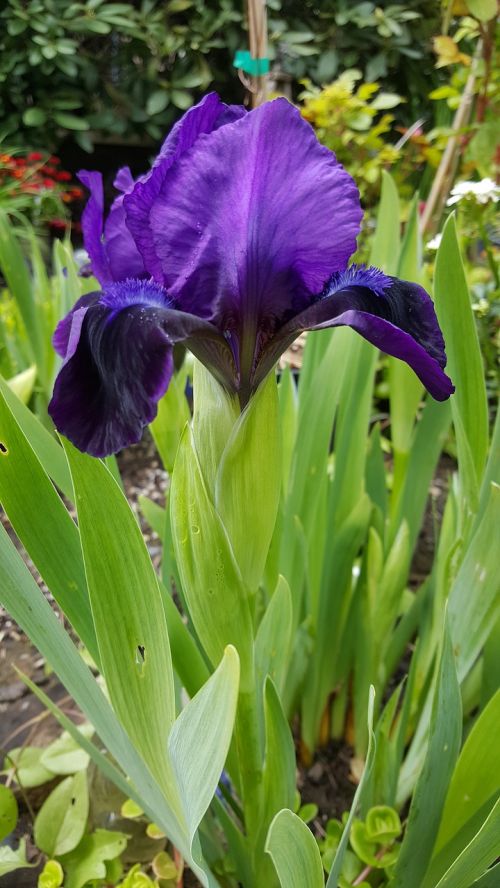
(281, 612)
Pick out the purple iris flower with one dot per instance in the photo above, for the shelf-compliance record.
(237, 240)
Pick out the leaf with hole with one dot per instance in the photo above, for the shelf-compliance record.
(61, 821)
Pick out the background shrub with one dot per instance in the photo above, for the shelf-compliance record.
(125, 71)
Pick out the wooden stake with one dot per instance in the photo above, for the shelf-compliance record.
(257, 32)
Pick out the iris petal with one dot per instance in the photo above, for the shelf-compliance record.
(110, 245)
(396, 316)
(117, 347)
(92, 225)
(263, 214)
(206, 116)
(124, 258)
(64, 335)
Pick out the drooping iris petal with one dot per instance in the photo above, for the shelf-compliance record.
(69, 327)
(263, 215)
(110, 245)
(205, 117)
(117, 349)
(396, 316)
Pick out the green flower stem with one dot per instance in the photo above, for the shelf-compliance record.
(250, 766)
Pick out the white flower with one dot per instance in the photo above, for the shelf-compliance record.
(482, 191)
(434, 243)
(81, 257)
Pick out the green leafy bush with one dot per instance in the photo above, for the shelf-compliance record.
(124, 70)
(120, 69)
(350, 119)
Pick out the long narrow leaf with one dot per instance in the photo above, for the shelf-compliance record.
(209, 715)
(128, 613)
(364, 782)
(15, 272)
(43, 525)
(432, 785)
(47, 449)
(477, 775)
(474, 603)
(454, 311)
(29, 608)
(482, 851)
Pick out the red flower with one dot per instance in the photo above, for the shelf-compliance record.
(20, 161)
(35, 155)
(63, 176)
(50, 170)
(48, 183)
(55, 160)
(58, 223)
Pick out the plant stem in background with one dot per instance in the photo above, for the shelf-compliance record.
(446, 170)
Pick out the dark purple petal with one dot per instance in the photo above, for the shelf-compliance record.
(263, 213)
(208, 115)
(396, 316)
(92, 225)
(118, 363)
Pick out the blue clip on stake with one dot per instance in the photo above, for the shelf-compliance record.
(255, 67)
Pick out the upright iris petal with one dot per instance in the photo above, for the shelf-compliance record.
(263, 215)
(111, 248)
(244, 226)
(209, 115)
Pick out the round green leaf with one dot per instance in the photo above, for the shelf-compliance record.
(308, 812)
(382, 824)
(61, 821)
(11, 860)
(71, 121)
(164, 867)
(131, 810)
(484, 10)
(157, 102)
(8, 811)
(34, 117)
(181, 99)
(64, 756)
(51, 876)
(28, 768)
